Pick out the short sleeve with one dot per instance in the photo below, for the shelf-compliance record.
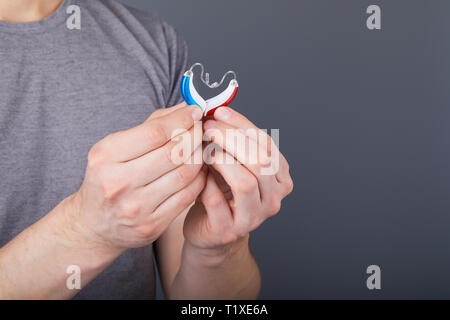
(178, 59)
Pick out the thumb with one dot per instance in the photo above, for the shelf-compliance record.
(165, 111)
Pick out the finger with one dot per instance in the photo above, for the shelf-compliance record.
(237, 120)
(178, 202)
(244, 149)
(257, 151)
(165, 111)
(165, 186)
(216, 205)
(132, 143)
(243, 183)
(220, 181)
(283, 176)
(156, 163)
(233, 118)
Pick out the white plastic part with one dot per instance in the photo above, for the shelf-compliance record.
(222, 97)
(195, 95)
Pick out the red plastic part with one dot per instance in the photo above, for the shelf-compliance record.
(211, 112)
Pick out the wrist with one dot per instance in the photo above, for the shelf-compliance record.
(67, 229)
(216, 256)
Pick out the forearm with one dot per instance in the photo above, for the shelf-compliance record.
(34, 264)
(231, 273)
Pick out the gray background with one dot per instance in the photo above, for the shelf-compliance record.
(364, 123)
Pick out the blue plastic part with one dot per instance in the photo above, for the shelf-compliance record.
(186, 92)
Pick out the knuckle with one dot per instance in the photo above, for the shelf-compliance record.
(148, 231)
(187, 197)
(156, 133)
(246, 185)
(110, 188)
(229, 237)
(169, 152)
(290, 185)
(130, 209)
(274, 206)
(96, 156)
(241, 231)
(106, 142)
(213, 202)
(185, 174)
(186, 120)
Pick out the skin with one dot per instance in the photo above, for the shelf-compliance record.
(199, 217)
(27, 10)
(235, 201)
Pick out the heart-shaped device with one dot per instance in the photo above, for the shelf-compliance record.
(192, 97)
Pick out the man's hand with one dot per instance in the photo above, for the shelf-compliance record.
(131, 192)
(239, 194)
(132, 189)
(243, 189)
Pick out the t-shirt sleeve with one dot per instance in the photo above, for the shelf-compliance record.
(178, 59)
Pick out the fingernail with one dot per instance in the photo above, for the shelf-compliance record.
(210, 124)
(197, 114)
(222, 113)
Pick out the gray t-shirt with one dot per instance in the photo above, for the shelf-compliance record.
(63, 89)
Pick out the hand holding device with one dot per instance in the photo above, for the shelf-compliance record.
(132, 189)
(192, 97)
(238, 195)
